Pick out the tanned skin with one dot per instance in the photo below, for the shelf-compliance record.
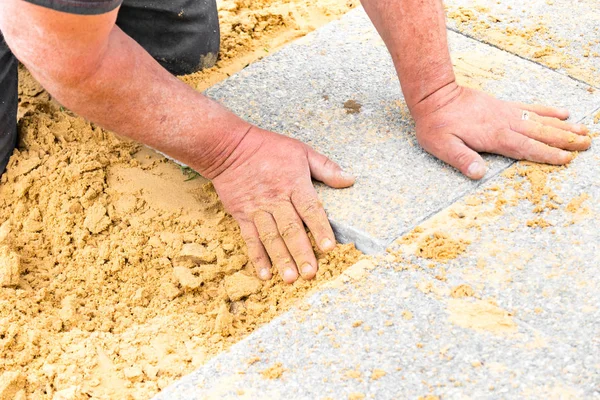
(264, 179)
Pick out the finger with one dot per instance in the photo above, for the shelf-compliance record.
(328, 172)
(275, 246)
(256, 251)
(296, 240)
(579, 129)
(552, 136)
(518, 146)
(455, 152)
(544, 111)
(310, 209)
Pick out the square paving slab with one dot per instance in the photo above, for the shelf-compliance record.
(301, 91)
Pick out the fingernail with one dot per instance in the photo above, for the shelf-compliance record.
(566, 154)
(264, 274)
(307, 270)
(476, 170)
(582, 128)
(347, 175)
(289, 275)
(327, 244)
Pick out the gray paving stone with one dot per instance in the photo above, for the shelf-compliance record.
(548, 275)
(301, 91)
(562, 34)
(325, 352)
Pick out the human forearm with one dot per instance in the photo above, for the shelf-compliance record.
(414, 32)
(134, 96)
(122, 88)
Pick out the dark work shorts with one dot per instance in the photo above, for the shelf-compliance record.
(182, 35)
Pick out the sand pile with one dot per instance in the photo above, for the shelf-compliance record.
(117, 275)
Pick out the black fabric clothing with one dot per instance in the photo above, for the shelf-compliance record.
(8, 103)
(182, 35)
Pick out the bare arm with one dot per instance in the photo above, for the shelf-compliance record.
(96, 70)
(415, 34)
(454, 123)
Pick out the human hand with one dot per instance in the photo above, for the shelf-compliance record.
(267, 188)
(456, 123)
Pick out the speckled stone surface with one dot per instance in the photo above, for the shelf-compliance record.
(395, 318)
(332, 349)
(548, 275)
(561, 34)
(301, 91)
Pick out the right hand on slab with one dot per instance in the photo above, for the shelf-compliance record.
(267, 188)
(456, 123)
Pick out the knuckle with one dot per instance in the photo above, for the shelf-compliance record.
(310, 207)
(291, 229)
(523, 147)
(328, 164)
(269, 237)
(513, 144)
(252, 242)
(258, 260)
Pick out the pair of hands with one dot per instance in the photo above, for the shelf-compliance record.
(268, 188)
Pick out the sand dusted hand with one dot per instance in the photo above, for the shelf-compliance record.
(456, 123)
(267, 188)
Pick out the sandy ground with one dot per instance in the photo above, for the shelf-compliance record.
(119, 273)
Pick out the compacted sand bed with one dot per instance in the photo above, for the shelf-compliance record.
(119, 274)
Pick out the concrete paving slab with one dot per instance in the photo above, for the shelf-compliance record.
(386, 338)
(561, 34)
(396, 330)
(302, 89)
(542, 263)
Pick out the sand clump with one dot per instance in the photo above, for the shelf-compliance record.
(441, 247)
(273, 372)
(10, 267)
(461, 291)
(576, 206)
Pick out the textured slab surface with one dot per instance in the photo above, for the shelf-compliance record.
(400, 330)
(538, 255)
(302, 89)
(385, 339)
(561, 34)
(527, 245)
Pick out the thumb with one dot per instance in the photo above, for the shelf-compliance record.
(456, 153)
(328, 172)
